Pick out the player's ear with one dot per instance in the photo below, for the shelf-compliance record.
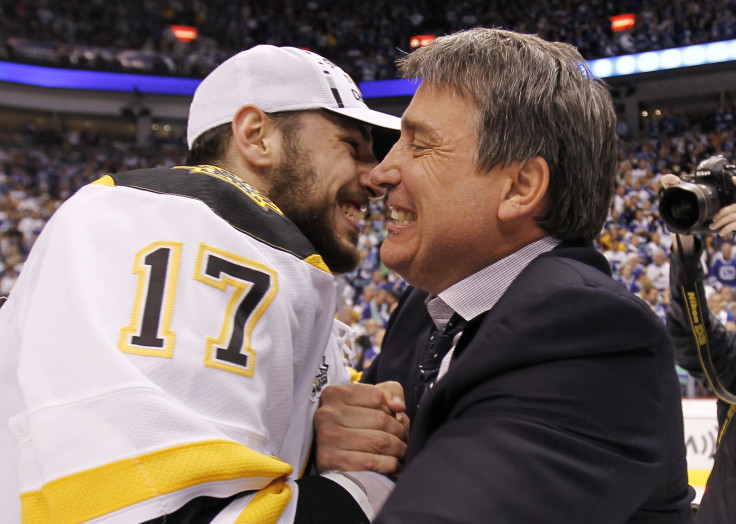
(255, 136)
(525, 188)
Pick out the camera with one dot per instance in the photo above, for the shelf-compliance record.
(689, 206)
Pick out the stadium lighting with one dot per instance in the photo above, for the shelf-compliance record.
(421, 40)
(625, 65)
(650, 61)
(693, 55)
(621, 22)
(184, 33)
(96, 80)
(671, 59)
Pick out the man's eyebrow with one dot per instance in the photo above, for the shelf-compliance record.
(417, 126)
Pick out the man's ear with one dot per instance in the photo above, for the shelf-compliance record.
(255, 136)
(524, 190)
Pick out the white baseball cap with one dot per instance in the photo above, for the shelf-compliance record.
(278, 79)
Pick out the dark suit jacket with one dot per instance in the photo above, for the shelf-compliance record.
(561, 405)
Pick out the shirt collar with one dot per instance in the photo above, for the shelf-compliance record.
(480, 291)
(440, 312)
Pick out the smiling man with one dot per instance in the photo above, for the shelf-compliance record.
(540, 390)
(169, 338)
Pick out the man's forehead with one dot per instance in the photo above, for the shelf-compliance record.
(433, 108)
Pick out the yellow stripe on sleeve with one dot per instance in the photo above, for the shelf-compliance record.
(93, 493)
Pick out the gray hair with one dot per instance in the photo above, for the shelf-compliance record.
(534, 98)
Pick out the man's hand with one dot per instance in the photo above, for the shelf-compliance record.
(724, 222)
(362, 427)
(669, 180)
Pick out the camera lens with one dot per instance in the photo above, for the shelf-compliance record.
(686, 207)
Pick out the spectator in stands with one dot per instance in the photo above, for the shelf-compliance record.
(616, 253)
(30, 225)
(650, 243)
(370, 341)
(726, 293)
(13, 257)
(8, 277)
(360, 278)
(700, 337)
(723, 265)
(619, 198)
(651, 295)
(380, 302)
(658, 271)
(709, 250)
(497, 188)
(630, 208)
(717, 307)
(629, 276)
(724, 119)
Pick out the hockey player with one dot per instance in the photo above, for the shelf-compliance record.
(166, 345)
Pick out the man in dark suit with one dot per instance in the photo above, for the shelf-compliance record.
(555, 398)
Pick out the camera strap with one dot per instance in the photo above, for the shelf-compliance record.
(694, 300)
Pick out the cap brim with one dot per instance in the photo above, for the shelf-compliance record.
(386, 128)
(369, 116)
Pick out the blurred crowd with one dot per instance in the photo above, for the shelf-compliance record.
(40, 168)
(363, 37)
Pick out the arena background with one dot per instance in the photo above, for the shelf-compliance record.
(87, 87)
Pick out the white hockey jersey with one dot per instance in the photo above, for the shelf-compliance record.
(168, 338)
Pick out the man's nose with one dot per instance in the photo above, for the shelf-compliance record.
(386, 174)
(373, 190)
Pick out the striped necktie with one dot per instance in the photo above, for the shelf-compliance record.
(438, 344)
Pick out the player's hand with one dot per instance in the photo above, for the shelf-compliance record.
(362, 427)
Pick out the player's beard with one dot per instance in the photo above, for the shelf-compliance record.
(292, 189)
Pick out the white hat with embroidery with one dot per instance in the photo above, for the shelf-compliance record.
(278, 79)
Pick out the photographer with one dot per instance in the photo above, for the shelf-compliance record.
(713, 357)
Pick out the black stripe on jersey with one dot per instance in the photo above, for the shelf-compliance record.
(229, 197)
